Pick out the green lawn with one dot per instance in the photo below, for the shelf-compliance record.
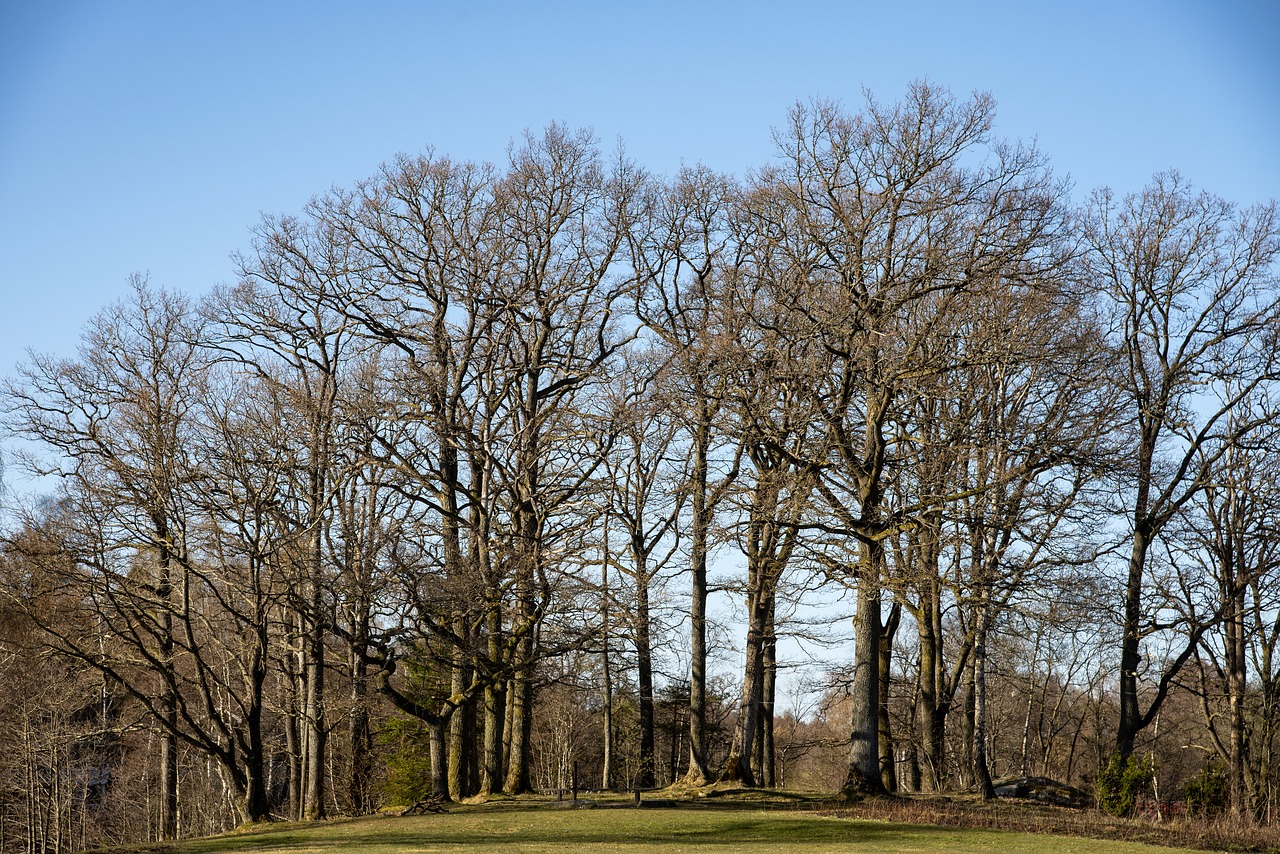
(534, 830)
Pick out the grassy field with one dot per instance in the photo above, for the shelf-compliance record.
(532, 828)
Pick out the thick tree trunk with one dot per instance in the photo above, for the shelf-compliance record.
(935, 698)
(606, 667)
(437, 753)
(863, 776)
(168, 701)
(316, 729)
(737, 766)
(521, 725)
(888, 765)
(168, 775)
(1237, 685)
(1130, 655)
(293, 738)
(765, 752)
(606, 771)
(461, 730)
(314, 718)
(359, 732)
(253, 801)
(645, 776)
(256, 808)
(966, 729)
(495, 710)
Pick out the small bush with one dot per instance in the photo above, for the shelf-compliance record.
(1207, 793)
(1122, 782)
(408, 778)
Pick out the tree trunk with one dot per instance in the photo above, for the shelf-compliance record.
(888, 765)
(699, 769)
(864, 726)
(1237, 676)
(934, 702)
(966, 730)
(981, 774)
(521, 725)
(293, 737)
(169, 775)
(313, 676)
(359, 732)
(495, 711)
(767, 761)
(437, 751)
(461, 729)
(254, 801)
(168, 702)
(737, 766)
(1130, 655)
(606, 666)
(645, 776)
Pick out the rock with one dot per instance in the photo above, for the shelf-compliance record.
(1043, 790)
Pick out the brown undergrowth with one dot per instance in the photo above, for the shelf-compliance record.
(1223, 834)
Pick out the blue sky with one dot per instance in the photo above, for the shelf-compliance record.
(150, 136)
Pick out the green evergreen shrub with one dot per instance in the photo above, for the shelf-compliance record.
(1122, 782)
(408, 777)
(1207, 793)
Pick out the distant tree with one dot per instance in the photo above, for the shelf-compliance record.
(1231, 533)
(113, 427)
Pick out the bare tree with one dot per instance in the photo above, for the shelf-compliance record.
(496, 291)
(116, 421)
(641, 478)
(1189, 282)
(1231, 533)
(887, 233)
(685, 249)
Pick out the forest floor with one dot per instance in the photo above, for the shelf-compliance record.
(718, 820)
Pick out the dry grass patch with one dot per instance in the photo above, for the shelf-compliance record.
(964, 811)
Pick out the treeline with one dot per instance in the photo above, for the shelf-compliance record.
(434, 468)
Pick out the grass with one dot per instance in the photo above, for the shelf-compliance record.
(724, 824)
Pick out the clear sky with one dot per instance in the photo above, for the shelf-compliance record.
(150, 136)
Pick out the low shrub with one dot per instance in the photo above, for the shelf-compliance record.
(1122, 783)
(1207, 793)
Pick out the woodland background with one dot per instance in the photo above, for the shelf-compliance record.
(434, 498)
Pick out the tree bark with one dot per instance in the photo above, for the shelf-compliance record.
(520, 731)
(495, 710)
(981, 774)
(888, 764)
(701, 502)
(863, 777)
(766, 754)
(645, 775)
